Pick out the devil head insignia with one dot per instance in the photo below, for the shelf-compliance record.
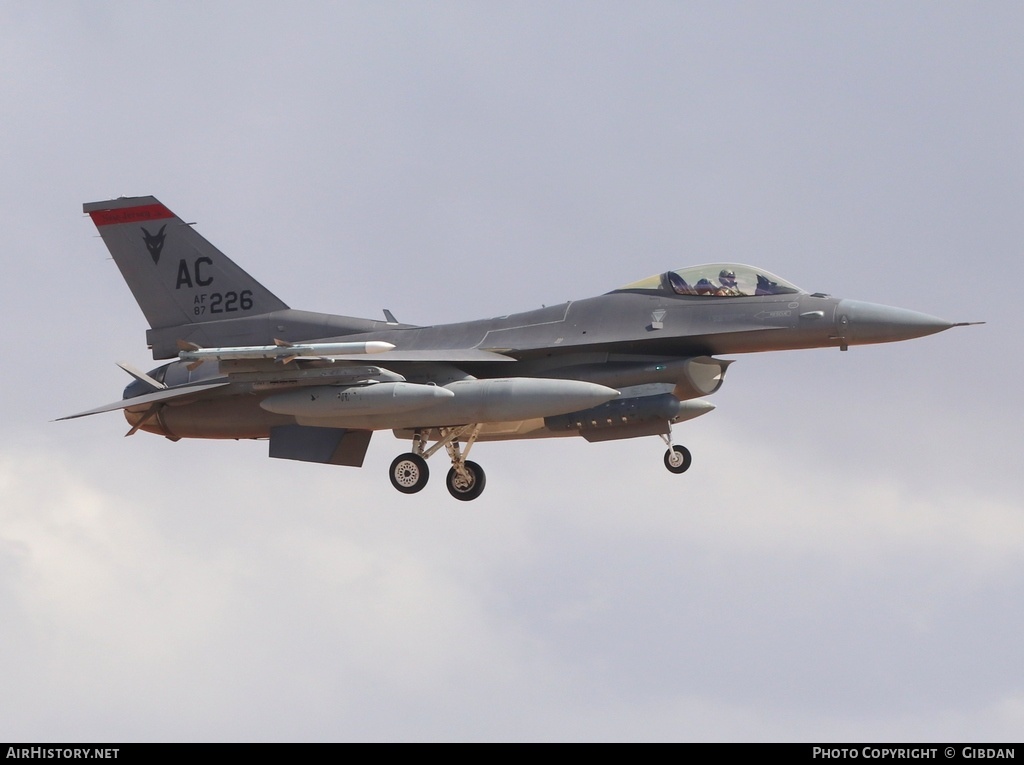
(154, 242)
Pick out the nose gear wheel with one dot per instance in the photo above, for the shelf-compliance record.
(678, 459)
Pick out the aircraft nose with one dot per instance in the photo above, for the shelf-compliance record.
(861, 322)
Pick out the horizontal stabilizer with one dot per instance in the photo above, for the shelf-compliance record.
(158, 397)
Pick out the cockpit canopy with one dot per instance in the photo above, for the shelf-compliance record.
(715, 280)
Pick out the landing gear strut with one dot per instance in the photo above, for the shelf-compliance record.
(466, 479)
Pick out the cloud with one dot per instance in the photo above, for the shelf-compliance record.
(227, 607)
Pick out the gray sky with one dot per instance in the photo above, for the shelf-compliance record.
(845, 560)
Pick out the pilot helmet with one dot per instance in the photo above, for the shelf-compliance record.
(727, 276)
(704, 287)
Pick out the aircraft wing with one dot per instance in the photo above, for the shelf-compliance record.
(150, 398)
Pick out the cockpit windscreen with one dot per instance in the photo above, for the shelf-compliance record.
(717, 280)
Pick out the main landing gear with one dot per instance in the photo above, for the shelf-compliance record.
(466, 480)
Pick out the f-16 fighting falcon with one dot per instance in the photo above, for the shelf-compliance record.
(629, 363)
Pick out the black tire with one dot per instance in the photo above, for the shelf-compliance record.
(478, 479)
(409, 473)
(678, 459)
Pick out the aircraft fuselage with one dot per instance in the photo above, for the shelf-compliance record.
(621, 339)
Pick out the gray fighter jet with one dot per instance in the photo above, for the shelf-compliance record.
(630, 363)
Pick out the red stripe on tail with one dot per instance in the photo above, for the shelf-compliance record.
(130, 214)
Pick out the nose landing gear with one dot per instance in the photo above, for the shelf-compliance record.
(678, 458)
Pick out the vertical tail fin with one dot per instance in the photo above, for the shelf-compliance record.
(177, 277)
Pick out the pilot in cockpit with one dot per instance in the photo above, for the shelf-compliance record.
(729, 288)
(705, 287)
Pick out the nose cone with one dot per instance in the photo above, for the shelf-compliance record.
(861, 322)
